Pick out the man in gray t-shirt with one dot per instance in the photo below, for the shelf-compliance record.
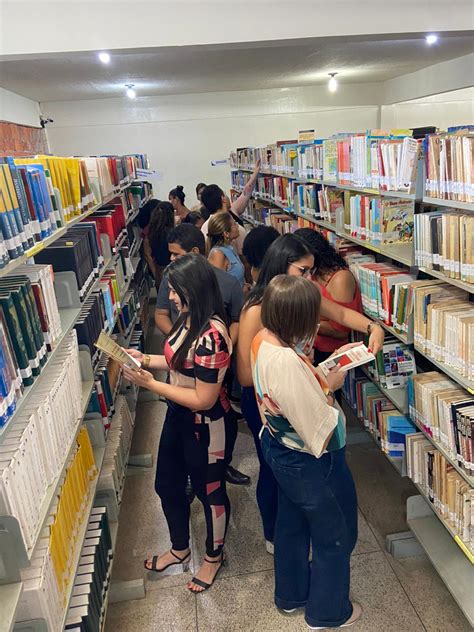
(184, 239)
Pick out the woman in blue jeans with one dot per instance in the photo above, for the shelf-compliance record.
(288, 254)
(303, 442)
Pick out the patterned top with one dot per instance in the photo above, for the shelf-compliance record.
(208, 360)
(292, 401)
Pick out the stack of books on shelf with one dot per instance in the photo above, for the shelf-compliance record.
(450, 496)
(386, 292)
(444, 325)
(86, 607)
(306, 199)
(284, 158)
(283, 223)
(36, 448)
(47, 583)
(379, 416)
(445, 412)
(311, 160)
(449, 165)
(331, 205)
(444, 241)
(119, 438)
(239, 179)
(379, 220)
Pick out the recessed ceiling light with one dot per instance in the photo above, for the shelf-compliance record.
(131, 94)
(332, 85)
(431, 39)
(104, 57)
(284, 89)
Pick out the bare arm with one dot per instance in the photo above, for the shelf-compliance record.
(148, 256)
(342, 288)
(240, 204)
(218, 259)
(163, 321)
(250, 325)
(352, 320)
(234, 332)
(156, 361)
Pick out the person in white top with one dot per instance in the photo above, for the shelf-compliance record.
(214, 200)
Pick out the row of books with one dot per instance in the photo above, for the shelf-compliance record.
(107, 380)
(451, 497)
(41, 194)
(47, 582)
(378, 220)
(92, 582)
(394, 364)
(445, 412)
(386, 291)
(378, 414)
(444, 241)
(274, 188)
(449, 164)
(382, 160)
(119, 437)
(444, 325)
(35, 450)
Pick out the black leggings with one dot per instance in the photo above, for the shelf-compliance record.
(193, 445)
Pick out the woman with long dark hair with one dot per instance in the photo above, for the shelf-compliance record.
(198, 434)
(336, 283)
(286, 255)
(161, 222)
(303, 442)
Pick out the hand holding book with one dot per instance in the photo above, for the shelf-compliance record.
(351, 356)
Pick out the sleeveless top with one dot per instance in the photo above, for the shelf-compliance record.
(327, 343)
(236, 268)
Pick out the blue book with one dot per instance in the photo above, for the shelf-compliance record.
(398, 426)
(22, 201)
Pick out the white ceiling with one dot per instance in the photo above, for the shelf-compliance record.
(194, 69)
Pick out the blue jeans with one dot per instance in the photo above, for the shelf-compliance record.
(267, 488)
(317, 505)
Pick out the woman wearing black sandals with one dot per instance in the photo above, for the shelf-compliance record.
(198, 434)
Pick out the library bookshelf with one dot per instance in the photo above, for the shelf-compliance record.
(452, 558)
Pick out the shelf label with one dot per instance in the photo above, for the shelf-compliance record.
(219, 163)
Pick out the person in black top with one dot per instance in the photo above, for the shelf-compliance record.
(161, 222)
(184, 239)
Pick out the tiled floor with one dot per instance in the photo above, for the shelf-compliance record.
(398, 596)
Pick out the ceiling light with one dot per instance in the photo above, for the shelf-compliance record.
(332, 85)
(431, 39)
(284, 89)
(131, 94)
(104, 58)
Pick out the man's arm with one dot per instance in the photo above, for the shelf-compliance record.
(240, 204)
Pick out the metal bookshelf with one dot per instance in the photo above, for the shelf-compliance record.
(453, 204)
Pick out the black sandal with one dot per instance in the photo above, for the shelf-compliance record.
(181, 560)
(204, 585)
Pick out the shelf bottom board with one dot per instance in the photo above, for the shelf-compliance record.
(10, 595)
(450, 562)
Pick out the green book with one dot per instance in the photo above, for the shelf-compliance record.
(19, 302)
(32, 309)
(16, 335)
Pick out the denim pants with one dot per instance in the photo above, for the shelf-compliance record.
(317, 505)
(267, 488)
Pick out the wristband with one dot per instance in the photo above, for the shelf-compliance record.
(146, 361)
(371, 325)
(331, 394)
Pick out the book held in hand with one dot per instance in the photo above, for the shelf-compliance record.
(356, 356)
(106, 344)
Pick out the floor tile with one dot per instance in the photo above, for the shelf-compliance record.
(429, 596)
(366, 541)
(386, 606)
(167, 610)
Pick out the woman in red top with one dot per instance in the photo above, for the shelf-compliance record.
(336, 283)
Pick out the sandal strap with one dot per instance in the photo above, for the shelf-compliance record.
(219, 559)
(200, 583)
(180, 559)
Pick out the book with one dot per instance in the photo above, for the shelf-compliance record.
(356, 356)
(113, 350)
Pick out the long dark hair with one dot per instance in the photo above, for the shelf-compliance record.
(326, 257)
(283, 251)
(195, 282)
(161, 222)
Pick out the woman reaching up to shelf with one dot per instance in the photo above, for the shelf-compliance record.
(286, 255)
(176, 197)
(199, 432)
(222, 230)
(303, 442)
